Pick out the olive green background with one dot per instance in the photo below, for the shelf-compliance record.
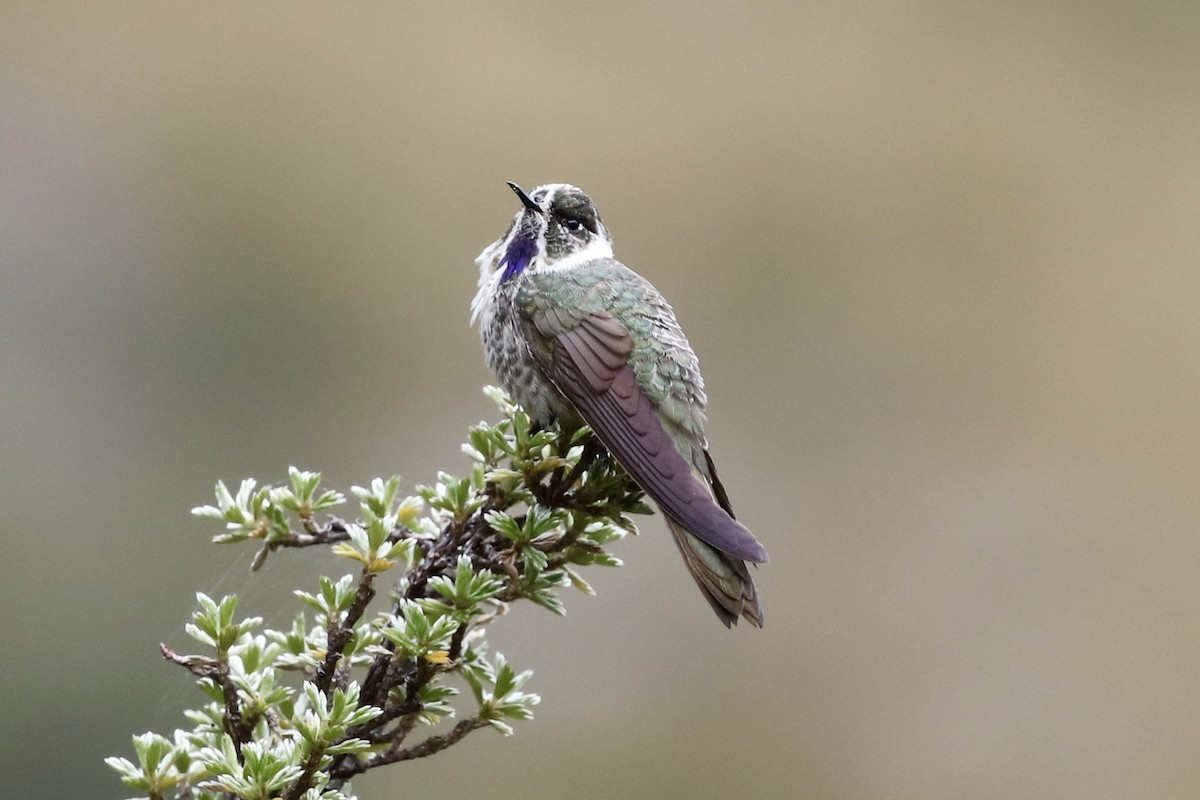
(939, 261)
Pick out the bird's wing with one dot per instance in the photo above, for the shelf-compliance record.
(586, 355)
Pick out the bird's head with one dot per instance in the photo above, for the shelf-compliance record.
(557, 227)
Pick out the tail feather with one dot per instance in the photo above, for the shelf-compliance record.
(724, 580)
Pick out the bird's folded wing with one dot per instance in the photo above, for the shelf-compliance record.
(589, 362)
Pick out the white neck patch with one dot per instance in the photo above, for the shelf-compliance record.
(598, 247)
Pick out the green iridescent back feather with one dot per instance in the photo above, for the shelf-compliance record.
(664, 364)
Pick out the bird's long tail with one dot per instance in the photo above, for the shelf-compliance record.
(723, 579)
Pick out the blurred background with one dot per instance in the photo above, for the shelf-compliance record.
(940, 264)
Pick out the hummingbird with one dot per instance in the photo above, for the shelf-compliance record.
(576, 337)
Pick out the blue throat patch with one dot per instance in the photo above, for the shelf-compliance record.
(521, 251)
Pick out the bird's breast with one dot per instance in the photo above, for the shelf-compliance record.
(507, 353)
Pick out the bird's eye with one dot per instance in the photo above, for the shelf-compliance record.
(573, 225)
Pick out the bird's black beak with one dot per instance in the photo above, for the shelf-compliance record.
(526, 200)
